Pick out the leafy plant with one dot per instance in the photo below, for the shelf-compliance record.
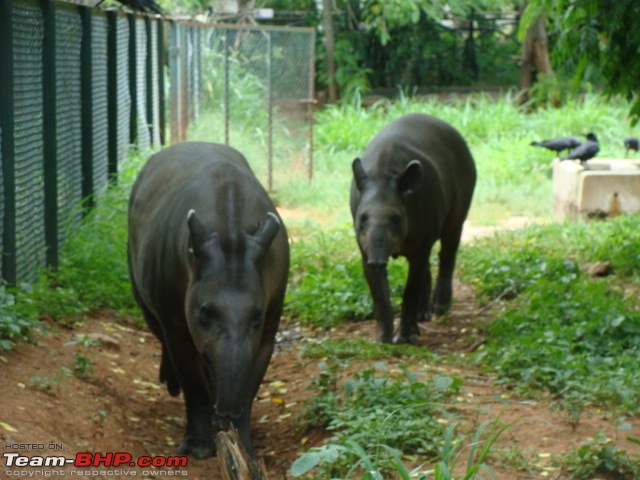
(17, 318)
(327, 285)
(372, 408)
(566, 332)
(599, 457)
(350, 457)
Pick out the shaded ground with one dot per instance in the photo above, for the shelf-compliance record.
(119, 406)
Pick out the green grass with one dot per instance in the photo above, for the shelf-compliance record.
(563, 331)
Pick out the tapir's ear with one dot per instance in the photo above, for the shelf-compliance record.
(198, 234)
(359, 174)
(267, 230)
(410, 180)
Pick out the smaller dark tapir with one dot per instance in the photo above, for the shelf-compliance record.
(208, 261)
(412, 187)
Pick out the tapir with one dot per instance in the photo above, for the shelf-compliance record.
(208, 261)
(412, 186)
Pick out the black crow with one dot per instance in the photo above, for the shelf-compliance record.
(584, 151)
(558, 144)
(631, 143)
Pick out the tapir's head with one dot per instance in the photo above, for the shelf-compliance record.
(225, 306)
(379, 214)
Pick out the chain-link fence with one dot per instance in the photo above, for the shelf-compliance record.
(254, 86)
(78, 86)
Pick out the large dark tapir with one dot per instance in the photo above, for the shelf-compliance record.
(208, 261)
(412, 187)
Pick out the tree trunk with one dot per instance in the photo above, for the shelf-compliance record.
(535, 56)
(329, 40)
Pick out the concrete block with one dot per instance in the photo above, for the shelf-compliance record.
(607, 187)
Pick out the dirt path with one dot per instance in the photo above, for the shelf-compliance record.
(119, 406)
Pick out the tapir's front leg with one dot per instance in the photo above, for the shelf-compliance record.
(382, 309)
(191, 375)
(415, 300)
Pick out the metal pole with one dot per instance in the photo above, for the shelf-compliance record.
(8, 142)
(49, 133)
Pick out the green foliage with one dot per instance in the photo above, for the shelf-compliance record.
(17, 317)
(93, 271)
(573, 335)
(362, 349)
(600, 458)
(327, 285)
(585, 43)
(376, 466)
(478, 452)
(416, 43)
(386, 413)
(373, 407)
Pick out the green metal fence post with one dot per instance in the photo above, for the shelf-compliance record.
(112, 95)
(8, 142)
(86, 92)
(49, 129)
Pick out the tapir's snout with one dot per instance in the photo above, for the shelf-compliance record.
(378, 263)
(378, 249)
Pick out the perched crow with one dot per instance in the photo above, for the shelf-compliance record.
(631, 143)
(558, 144)
(584, 151)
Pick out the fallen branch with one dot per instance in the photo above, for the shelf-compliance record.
(235, 463)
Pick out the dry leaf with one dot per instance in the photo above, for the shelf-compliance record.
(8, 427)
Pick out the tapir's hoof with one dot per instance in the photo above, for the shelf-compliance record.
(411, 339)
(382, 337)
(201, 449)
(440, 309)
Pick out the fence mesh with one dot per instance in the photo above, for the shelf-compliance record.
(257, 83)
(154, 87)
(29, 228)
(254, 85)
(69, 115)
(122, 90)
(99, 31)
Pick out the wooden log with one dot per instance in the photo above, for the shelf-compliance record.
(235, 463)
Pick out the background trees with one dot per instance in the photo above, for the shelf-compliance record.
(595, 37)
(422, 43)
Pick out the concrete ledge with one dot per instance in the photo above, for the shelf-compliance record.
(607, 187)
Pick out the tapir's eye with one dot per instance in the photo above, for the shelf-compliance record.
(206, 314)
(364, 220)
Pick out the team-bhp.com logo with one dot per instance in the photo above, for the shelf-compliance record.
(86, 460)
